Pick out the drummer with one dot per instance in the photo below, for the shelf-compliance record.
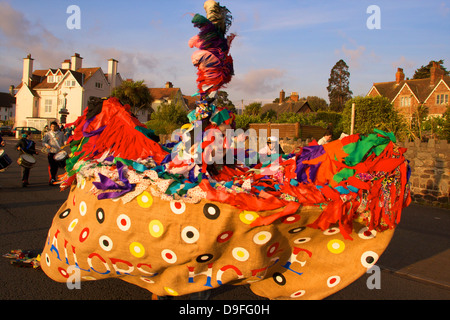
(53, 141)
(28, 146)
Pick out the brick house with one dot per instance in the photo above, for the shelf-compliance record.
(293, 104)
(407, 95)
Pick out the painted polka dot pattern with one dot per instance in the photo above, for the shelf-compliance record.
(177, 207)
(190, 234)
(176, 248)
(145, 200)
(123, 222)
(156, 228)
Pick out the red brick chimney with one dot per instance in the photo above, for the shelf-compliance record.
(282, 96)
(436, 73)
(294, 96)
(399, 75)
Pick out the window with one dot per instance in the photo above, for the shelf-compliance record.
(70, 83)
(48, 105)
(50, 79)
(442, 98)
(99, 85)
(405, 101)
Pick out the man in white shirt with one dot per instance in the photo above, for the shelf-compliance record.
(272, 147)
(53, 141)
(325, 139)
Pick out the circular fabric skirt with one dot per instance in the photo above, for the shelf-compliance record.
(176, 248)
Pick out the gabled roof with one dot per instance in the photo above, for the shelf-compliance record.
(39, 77)
(161, 93)
(421, 88)
(445, 81)
(87, 72)
(291, 106)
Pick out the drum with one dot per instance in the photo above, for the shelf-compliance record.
(5, 160)
(61, 157)
(26, 160)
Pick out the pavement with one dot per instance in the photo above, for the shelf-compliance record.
(413, 267)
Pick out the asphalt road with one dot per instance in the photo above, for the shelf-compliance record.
(414, 266)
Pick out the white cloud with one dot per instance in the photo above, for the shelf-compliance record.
(22, 35)
(257, 82)
(353, 55)
(131, 63)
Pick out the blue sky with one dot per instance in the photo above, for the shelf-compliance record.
(284, 44)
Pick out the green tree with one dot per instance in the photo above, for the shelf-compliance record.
(223, 101)
(243, 121)
(253, 109)
(269, 116)
(371, 113)
(446, 125)
(317, 103)
(134, 93)
(419, 116)
(167, 118)
(424, 71)
(338, 86)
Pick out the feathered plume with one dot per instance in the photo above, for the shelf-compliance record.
(220, 16)
(215, 65)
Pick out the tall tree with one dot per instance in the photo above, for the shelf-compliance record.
(134, 93)
(223, 101)
(338, 86)
(424, 71)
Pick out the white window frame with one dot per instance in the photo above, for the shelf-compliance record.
(405, 101)
(441, 98)
(48, 105)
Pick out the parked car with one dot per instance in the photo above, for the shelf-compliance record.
(25, 129)
(6, 131)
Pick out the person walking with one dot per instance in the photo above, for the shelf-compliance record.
(26, 146)
(53, 141)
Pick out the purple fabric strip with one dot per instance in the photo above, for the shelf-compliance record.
(92, 133)
(308, 153)
(107, 184)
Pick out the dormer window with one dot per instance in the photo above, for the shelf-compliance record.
(50, 79)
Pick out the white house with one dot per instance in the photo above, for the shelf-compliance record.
(43, 93)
